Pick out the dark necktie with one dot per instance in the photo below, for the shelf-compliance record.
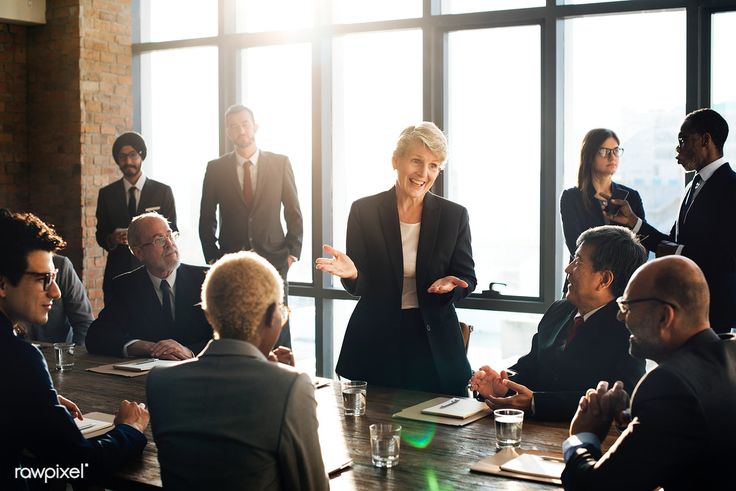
(132, 207)
(166, 299)
(576, 323)
(697, 182)
(247, 184)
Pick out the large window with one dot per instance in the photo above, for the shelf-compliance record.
(376, 93)
(515, 84)
(494, 128)
(181, 131)
(633, 84)
(276, 83)
(723, 76)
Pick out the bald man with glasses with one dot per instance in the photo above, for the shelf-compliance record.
(679, 428)
(153, 311)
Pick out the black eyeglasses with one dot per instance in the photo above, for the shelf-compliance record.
(160, 240)
(607, 152)
(46, 277)
(123, 157)
(625, 305)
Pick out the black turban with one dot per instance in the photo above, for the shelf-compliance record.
(130, 138)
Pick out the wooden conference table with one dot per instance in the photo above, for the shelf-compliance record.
(432, 456)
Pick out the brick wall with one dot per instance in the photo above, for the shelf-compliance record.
(106, 99)
(79, 87)
(13, 122)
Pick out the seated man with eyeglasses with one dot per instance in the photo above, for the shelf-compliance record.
(38, 421)
(579, 340)
(683, 427)
(153, 310)
(231, 419)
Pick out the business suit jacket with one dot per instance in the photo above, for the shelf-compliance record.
(371, 349)
(134, 311)
(259, 228)
(576, 218)
(234, 420)
(683, 427)
(708, 235)
(112, 213)
(70, 315)
(34, 420)
(559, 374)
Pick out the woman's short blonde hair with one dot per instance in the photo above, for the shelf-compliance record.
(237, 292)
(426, 133)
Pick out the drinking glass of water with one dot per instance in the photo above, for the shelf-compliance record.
(64, 356)
(353, 397)
(385, 444)
(508, 427)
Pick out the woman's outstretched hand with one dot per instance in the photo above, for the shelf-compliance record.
(447, 284)
(339, 265)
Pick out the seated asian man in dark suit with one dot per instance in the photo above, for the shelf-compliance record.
(232, 419)
(682, 433)
(153, 310)
(37, 420)
(579, 340)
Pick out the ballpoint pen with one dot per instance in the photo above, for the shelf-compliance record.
(449, 403)
(143, 362)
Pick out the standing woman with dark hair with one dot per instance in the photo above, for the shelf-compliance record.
(582, 206)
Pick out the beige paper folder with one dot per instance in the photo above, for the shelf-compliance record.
(415, 413)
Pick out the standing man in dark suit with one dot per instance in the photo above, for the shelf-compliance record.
(579, 340)
(705, 230)
(36, 418)
(153, 310)
(682, 431)
(120, 201)
(249, 186)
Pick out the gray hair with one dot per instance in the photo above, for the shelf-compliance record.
(134, 229)
(426, 133)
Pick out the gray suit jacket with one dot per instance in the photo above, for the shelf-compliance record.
(71, 314)
(234, 420)
(259, 228)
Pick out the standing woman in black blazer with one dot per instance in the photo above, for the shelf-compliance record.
(581, 207)
(409, 259)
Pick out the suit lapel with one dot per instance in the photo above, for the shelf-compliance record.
(146, 197)
(389, 221)
(431, 215)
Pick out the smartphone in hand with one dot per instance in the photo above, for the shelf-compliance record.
(618, 193)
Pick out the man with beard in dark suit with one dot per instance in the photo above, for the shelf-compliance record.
(125, 198)
(705, 230)
(153, 311)
(248, 187)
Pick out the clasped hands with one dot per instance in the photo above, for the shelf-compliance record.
(494, 386)
(343, 267)
(599, 407)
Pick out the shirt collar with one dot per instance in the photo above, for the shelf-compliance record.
(138, 185)
(253, 158)
(709, 169)
(589, 314)
(229, 346)
(171, 279)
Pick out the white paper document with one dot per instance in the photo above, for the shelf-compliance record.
(535, 465)
(88, 426)
(456, 407)
(146, 365)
